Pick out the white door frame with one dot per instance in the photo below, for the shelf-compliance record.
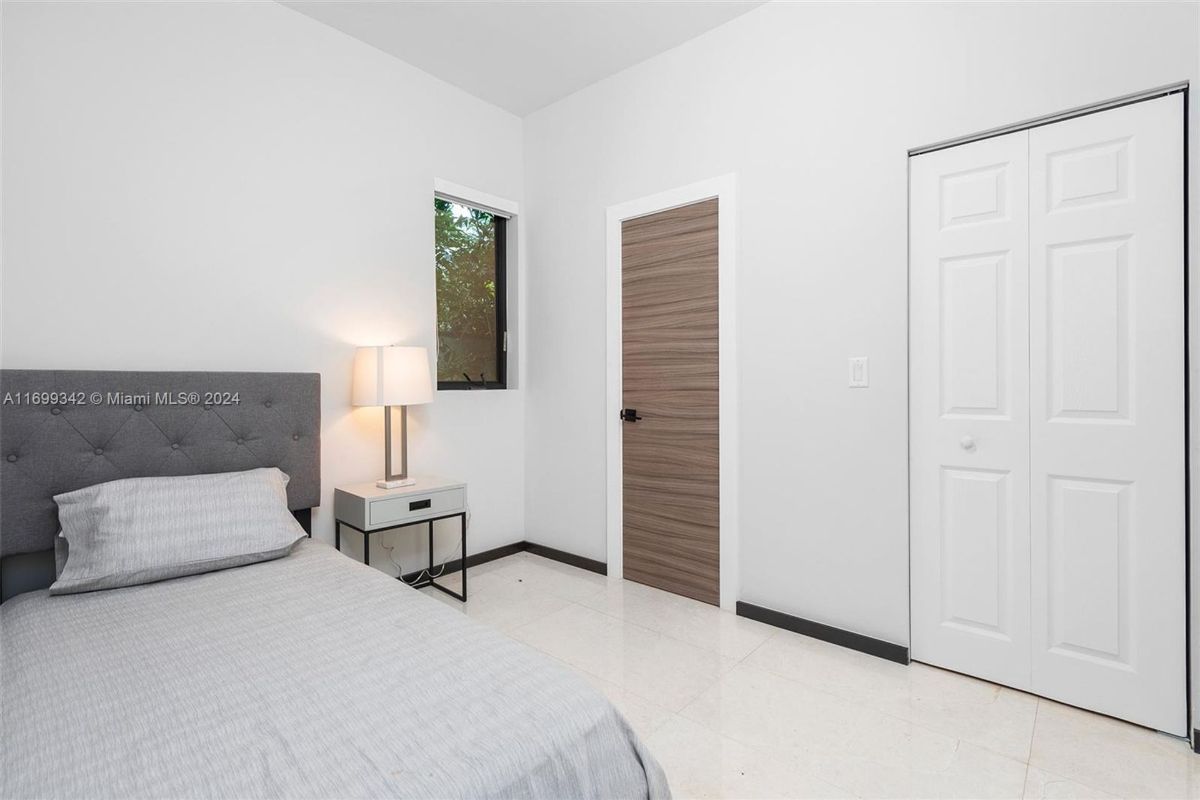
(723, 189)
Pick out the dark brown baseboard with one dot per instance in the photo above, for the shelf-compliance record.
(826, 633)
(590, 564)
(475, 559)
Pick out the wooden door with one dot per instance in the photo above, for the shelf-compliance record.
(1106, 303)
(671, 536)
(969, 409)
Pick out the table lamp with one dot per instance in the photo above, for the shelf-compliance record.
(392, 376)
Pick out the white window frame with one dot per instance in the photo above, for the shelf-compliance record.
(514, 272)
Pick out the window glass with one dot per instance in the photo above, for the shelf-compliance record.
(469, 248)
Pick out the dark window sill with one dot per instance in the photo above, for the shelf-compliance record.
(463, 386)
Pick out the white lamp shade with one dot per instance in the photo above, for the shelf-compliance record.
(391, 376)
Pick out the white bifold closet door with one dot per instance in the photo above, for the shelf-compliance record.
(969, 403)
(1047, 411)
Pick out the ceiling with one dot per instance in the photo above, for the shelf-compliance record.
(523, 54)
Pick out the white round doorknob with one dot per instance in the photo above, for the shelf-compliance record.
(967, 443)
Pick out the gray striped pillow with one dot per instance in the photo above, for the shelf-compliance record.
(141, 530)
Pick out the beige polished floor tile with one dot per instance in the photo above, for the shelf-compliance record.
(482, 582)
(702, 764)
(502, 610)
(834, 669)
(982, 713)
(500, 603)
(644, 715)
(761, 709)
(987, 715)
(1042, 785)
(641, 661)
(848, 744)
(479, 577)
(543, 575)
(682, 618)
(894, 758)
(735, 709)
(1113, 756)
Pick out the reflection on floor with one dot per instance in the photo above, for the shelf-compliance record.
(734, 708)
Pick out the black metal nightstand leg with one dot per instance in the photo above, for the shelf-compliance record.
(429, 580)
(462, 565)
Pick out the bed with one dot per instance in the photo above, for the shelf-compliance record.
(305, 676)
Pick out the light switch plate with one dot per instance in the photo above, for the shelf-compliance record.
(860, 377)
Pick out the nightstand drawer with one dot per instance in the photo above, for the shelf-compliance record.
(392, 510)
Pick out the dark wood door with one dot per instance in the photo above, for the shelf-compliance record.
(670, 377)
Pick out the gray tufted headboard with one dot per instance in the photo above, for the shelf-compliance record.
(63, 430)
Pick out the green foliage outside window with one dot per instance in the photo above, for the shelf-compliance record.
(465, 248)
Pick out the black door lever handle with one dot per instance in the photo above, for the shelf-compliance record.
(629, 415)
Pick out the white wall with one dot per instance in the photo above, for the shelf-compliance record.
(813, 107)
(235, 186)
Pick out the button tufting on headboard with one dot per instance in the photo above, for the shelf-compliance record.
(102, 426)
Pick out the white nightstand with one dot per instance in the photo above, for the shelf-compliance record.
(368, 509)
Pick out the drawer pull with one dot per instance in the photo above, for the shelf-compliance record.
(416, 505)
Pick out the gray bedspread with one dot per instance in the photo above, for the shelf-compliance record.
(308, 676)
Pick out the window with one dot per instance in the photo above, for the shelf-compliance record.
(470, 247)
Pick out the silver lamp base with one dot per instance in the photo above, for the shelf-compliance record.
(390, 479)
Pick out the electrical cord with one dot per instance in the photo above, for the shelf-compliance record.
(425, 573)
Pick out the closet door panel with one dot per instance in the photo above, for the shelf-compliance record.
(969, 409)
(1107, 412)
